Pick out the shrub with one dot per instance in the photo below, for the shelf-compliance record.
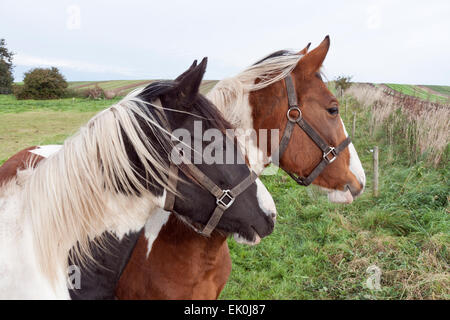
(342, 83)
(42, 83)
(94, 93)
(73, 93)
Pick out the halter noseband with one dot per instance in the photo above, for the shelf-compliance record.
(327, 150)
(224, 197)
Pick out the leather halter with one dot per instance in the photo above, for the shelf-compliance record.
(224, 197)
(327, 150)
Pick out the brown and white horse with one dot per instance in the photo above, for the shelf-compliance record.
(190, 266)
(109, 178)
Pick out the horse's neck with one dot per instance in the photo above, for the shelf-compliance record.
(138, 207)
(117, 213)
(236, 109)
(175, 254)
(163, 224)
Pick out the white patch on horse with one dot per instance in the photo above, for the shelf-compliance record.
(247, 139)
(140, 206)
(153, 226)
(356, 168)
(20, 275)
(241, 240)
(265, 200)
(355, 164)
(47, 150)
(337, 196)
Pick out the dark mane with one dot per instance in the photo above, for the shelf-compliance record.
(275, 54)
(202, 107)
(208, 110)
(155, 89)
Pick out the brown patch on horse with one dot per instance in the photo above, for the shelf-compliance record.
(302, 154)
(182, 265)
(18, 162)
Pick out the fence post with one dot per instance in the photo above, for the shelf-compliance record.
(354, 125)
(375, 171)
(345, 101)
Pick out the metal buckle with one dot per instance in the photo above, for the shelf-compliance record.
(331, 150)
(288, 114)
(226, 194)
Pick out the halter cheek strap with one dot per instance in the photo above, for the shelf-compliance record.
(329, 153)
(224, 198)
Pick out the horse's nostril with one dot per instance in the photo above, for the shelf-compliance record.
(274, 216)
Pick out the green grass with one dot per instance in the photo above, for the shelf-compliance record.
(9, 104)
(318, 250)
(418, 92)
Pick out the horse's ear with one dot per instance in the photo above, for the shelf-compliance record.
(313, 60)
(189, 85)
(304, 50)
(181, 76)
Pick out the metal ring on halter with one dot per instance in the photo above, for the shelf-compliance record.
(227, 196)
(288, 114)
(332, 150)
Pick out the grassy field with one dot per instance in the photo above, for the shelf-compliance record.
(321, 250)
(445, 90)
(318, 250)
(441, 95)
(432, 93)
(31, 122)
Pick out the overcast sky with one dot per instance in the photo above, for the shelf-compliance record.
(374, 41)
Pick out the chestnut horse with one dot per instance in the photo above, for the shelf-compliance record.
(190, 266)
(110, 177)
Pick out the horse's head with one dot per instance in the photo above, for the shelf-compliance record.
(194, 122)
(344, 177)
(321, 109)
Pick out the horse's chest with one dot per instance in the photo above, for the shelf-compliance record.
(11, 220)
(20, 276)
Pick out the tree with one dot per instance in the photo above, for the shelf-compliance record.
(6, 68)
(343, 83)
(42, 83)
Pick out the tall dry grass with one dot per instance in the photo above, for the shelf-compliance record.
(421, 127)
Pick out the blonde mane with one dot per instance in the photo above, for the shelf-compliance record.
(69, 196)
(229, 95)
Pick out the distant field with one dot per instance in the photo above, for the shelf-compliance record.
(122, 87)
(445, 90)
(440, 94)
(431, 93)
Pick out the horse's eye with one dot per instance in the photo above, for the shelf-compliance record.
(333, 110)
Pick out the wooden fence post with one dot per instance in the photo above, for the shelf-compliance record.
(375, 171)
(345, 101)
